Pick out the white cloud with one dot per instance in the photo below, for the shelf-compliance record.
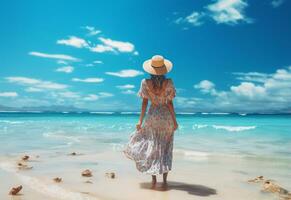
(206, 86)
(128, 92)
(228, 11)
(98, 62)
(88, 80)
(91, 97)
(248, 89)
(109, 45)
(118, 45)
(277, 3)
(36, 83)
(252, 76)
(74, 42)
(65, 69)
(105, 94)
(105, 45)
(100, 48)
(94, 97)
(127, 86)
(69, 94)
(92, 30)
(62, 62)
(195, 19)
(94, 63)
(264, 93)
(126, 73)
(33, 89)
(126, 89)
(184, 102)
(53, 56)
(8, 94)
(283, 74)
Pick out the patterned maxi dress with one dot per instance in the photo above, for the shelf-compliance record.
(152, 146)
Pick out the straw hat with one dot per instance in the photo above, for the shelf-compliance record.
(157, 65)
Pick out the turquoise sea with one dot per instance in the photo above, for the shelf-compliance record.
(260, 136)
(220, 150)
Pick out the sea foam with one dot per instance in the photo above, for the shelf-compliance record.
(234, 128)
(11, 122)
(199, 126)
(101, 112)
(192, 155)
(227, 128)
(57, 135)
(129, 113)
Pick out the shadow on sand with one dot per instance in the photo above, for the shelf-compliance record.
(198, 190)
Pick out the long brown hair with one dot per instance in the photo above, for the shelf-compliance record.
(157, 81)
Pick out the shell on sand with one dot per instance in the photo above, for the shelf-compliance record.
(25, 158)
(57, 179)
(22, 166)
(257, 179)
(15, 190)
(271, 186)
(87, 173)
(110, 175)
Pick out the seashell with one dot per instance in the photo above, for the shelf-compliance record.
(87, 173)
(15, 190)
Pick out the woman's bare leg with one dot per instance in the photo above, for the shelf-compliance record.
(154, 180)
(165, 175)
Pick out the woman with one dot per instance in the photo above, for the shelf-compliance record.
(151, 145)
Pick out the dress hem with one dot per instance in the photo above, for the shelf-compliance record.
(147, 173)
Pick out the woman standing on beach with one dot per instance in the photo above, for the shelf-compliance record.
(151, 145)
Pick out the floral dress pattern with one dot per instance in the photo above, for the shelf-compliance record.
(152, 146)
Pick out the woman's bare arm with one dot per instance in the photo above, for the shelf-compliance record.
(172, 111)
(142, 114)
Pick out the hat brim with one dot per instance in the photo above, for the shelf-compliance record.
(157, 70)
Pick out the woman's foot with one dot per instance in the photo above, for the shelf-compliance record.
(165, 183)
(165, 186)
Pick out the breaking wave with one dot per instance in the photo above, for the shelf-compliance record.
(234, 128)
(227, 128)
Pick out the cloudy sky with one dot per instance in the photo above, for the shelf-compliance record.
(228, 55)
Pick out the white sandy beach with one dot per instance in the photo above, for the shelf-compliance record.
(199, 177)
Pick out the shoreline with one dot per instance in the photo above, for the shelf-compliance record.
(199, 179)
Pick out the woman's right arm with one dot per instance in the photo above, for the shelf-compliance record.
(142, 113)
(172, 111)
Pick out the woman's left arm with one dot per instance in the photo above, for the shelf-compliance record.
(142, 114)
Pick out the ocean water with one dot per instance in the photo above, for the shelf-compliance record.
(262, 136)
(221, 149)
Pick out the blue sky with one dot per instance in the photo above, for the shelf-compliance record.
(228, 55)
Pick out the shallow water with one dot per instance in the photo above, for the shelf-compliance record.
(231, 147)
